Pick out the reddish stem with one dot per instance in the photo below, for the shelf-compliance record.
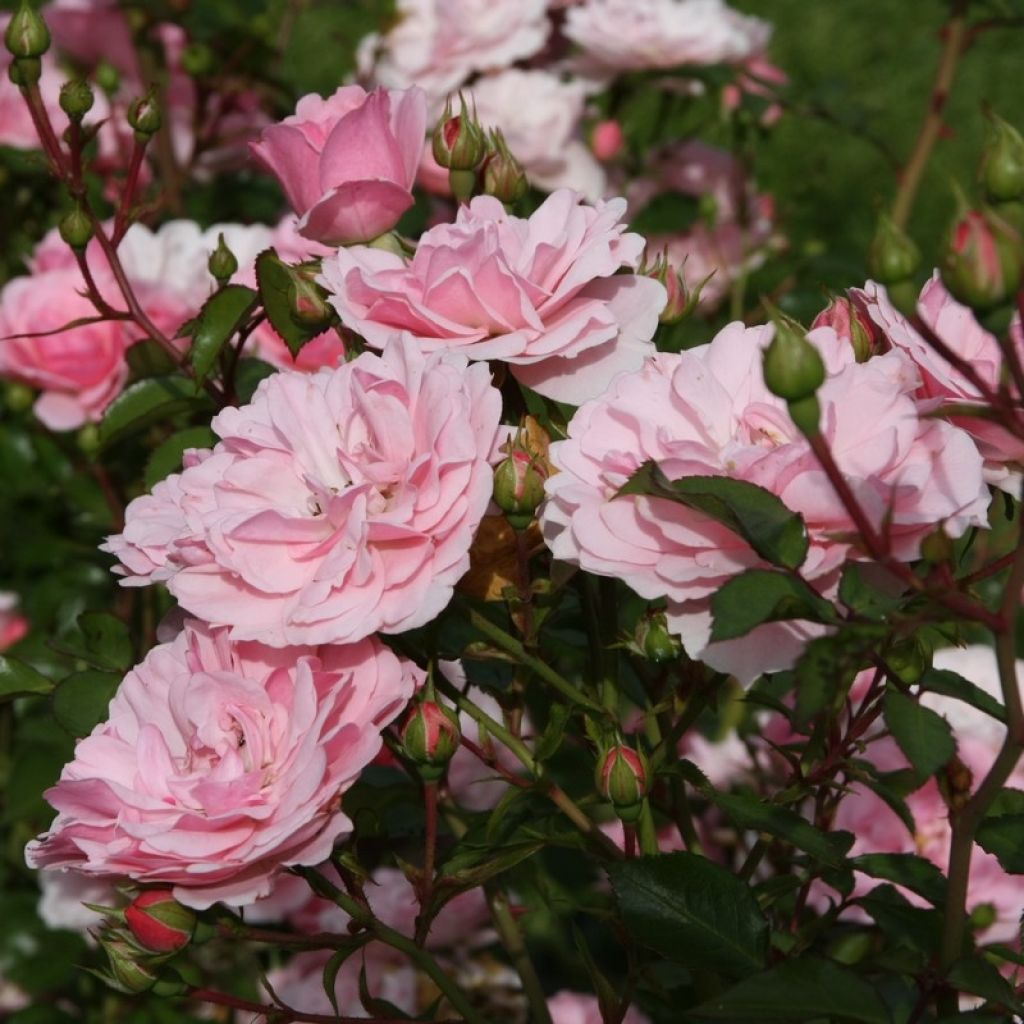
(128, 195)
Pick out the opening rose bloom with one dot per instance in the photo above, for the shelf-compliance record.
(707, 412)
(335, 504)
(347, 163)
(220, 764)
(633, 35)
(941, 382)
(542, 294)
(79, 370)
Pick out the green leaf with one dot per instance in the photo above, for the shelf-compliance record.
(760, 595)
(906, 869)
(248, 376)
(222, 315)
(692, 911)
(917, 928)
(923, 735)
(862, 597)
(145, 402)
(20, 680)
(981, 977)
(952, 684)
(274, 279)
(166, 457)
(1001, 832)
(107, 640)
(80, 702)
(772, 530)
(473, 865)
(801, 989)
(753, 813)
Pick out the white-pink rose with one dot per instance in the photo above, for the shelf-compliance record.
(941, 382)
(542, 294)
(634, 35)
(707, 412)
(335, 504)
(347, 163)
(539, 114)
(220, 764)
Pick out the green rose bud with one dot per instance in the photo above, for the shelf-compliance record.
(76, 99)
(623, 778)
(27, 34)
(893, 256)
(222, 263)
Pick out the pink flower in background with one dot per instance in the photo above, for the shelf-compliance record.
(878, 829)
(13, 625)
(541, 294)
(438, 44)
(706, 411)
(347, 164)
(756, 77)
(568, 1007)
(334, 505)
(635, 35)
(78, 370)
(607, 139)
(220, 764)
(539, 114)
(941, 382)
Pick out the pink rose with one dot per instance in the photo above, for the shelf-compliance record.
(568, 1007)
(539, 114)
(634, 35)
(541, 294)
(334, 505)
(714, 416)
(941, 382)
(347, 164)
(438, 44)
(13, 625)
(78, 370)
(220, 764)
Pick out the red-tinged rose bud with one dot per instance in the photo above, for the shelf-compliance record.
(144, 116)
(459, 142)
(607, 140)
(654, 641)
(982, 265)
(309, 306)
(130, 970)
(793, 367)
(852, 324)
(623, 778)
(503, 175)
(26, 34)
(430, 736)
(519, 486)
(158, 922)
(1002, 162)
(893, 256)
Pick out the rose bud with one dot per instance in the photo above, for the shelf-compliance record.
(519, 486)
(458, 142)
(1002, 162)
(794, 370)
(623, 778)
(982, 265)
(222, 263)
(76, 99)
(129, 971)
(893, 256)
(853, 324)
(430, 736)
(504, 177)
(76, 229)
(682, 300)
(309, 306)
(606, 140)
(653, 640)
(144, 117)
(158, 922)
(27, 35)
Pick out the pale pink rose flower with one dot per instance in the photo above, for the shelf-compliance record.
(539, 114)
(220, 764)
(707, 411)
(542, 294)
(635, 35)
(438, 44)
(79, 370)
(941, 382)
(13, 625)
(878, 829)
(568, 1007)
(347, 163)
(335, 504)
(92, 31)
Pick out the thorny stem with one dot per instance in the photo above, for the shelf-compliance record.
(910, 181)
